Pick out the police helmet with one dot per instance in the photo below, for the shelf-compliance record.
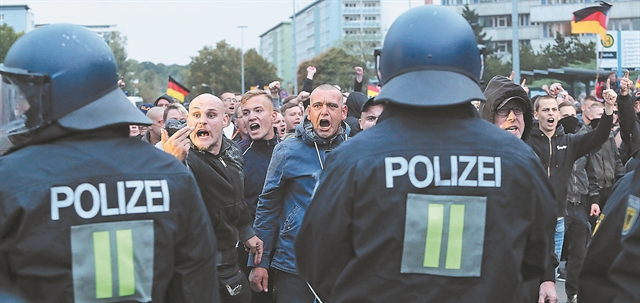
(62, 73)
(430, 57)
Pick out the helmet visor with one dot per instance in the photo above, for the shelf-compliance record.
(21, 100)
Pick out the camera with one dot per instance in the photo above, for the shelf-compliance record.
(173, 125)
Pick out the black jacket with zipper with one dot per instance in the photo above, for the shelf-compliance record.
(221, 183)
(558, 153)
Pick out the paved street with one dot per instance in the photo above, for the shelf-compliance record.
(562, 296)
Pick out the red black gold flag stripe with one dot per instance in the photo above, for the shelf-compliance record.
(176, 90)
(591, 20)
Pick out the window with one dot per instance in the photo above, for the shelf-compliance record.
(550, 29)
(1, 17)
(370, 18)
(500, 46)
(523, 20)
(349, 5)
(503, 21)
(370, 4)
(621, 24)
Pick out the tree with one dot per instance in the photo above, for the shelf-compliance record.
(474, 20)
(333, 66)
(8, 36)
(568, 51)
(493, 66)
(217, 67)
(258, 70)
(362, 46)
(530, 60)
(117, 43)
(220, 69)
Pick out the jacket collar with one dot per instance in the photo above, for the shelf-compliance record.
(306, 133)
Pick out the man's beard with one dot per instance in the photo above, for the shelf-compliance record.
(205, 148)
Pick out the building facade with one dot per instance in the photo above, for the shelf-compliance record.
(323, 24)
(17, 16)
(540, 20)
(276, 47)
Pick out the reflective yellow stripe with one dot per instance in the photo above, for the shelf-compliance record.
(454, 243)
(102, 258)
(126, 273)
(434, 235)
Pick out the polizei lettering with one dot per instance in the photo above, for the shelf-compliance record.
(470, 171)
(128, 195)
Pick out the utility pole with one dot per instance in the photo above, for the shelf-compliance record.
(242, 27)
(295, 57)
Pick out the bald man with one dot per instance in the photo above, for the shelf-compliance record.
(216, 163)
(291, 177)
(154, 134)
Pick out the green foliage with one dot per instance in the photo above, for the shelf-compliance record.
(258, 70)
(118, 43)
(562, 53)
(530, 60)
(220, 69)
(333, 66)
(494, 67)
(8, 36)
(217, 67)
(568, 51)
(362, 47)
(474, 20)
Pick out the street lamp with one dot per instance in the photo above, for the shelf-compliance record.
(242, 27)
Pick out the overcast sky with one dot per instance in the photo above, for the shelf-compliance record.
(170, 32)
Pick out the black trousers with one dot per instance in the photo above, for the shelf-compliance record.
(577, 233)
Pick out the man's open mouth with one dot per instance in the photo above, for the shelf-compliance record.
(324, 123)
(254, 126)
(202, 133)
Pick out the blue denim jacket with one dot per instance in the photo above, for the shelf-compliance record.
(291, 178)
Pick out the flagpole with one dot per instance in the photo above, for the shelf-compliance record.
(599, 61)
(619, 54)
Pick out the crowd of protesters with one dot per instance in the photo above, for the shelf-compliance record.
(582, 178)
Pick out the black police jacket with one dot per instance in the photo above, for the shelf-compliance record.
(429, 205)
(625, 271)
(97, 216)
(595, 282)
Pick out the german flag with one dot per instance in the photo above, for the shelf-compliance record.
(372, 90)
(176, 90)
(591, 20)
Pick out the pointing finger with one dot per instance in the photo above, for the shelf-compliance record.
(608, 84)
(512, 75)
(626, 74)
(163, 136)
(524, 82)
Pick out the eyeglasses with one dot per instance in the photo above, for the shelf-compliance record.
(504, 111)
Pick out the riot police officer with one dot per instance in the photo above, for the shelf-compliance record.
(83, 217)
(440, 205)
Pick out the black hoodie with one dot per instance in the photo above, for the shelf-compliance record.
(499, 89)
(354, 103)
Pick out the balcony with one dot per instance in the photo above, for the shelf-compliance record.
(360, 10)
(360, 24)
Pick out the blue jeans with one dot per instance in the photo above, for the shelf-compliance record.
(559, 239)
